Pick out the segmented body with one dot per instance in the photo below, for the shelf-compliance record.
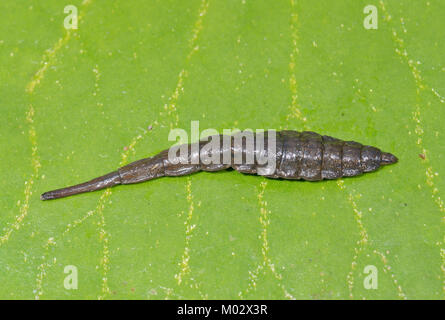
(298, 155)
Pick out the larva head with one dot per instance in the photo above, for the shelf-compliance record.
(388, 158)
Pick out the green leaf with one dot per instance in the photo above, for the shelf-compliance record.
(77, 104)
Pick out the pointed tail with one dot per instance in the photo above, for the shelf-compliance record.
(102, 182)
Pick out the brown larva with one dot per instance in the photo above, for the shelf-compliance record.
(298, 155)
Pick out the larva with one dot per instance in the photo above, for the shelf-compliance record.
(298, 155)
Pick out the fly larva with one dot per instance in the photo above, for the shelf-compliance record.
(298, 155)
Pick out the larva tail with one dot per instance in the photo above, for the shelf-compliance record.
(102, 182)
